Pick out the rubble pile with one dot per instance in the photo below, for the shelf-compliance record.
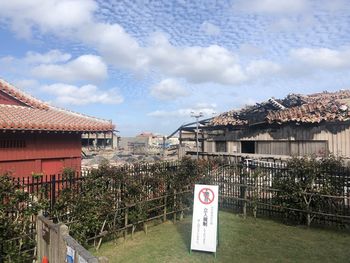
(314, 108)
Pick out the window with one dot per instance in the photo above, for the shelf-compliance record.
(248, 146)
(220, 146)
(5, 144)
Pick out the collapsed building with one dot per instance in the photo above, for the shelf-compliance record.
(298, 125)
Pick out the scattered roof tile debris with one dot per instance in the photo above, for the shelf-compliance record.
(37, 115)
(314, 108)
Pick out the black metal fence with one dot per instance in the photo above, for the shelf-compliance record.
(239, 188)
(252, 188)
(256, 189)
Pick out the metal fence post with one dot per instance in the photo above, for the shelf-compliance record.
(53, 191)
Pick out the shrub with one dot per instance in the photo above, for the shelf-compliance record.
(16, 211)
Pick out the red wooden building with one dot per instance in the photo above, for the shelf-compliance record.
(38, 138)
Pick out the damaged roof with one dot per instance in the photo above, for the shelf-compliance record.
(314, 108)
(20, 111)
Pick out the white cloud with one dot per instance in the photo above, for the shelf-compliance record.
(52, 56)
(322, 58)
(117, 46)
(7, 64)
(264, 68)
(204, 105)
(47, 15)
(73, 19)
(272, 6)
(289, 24)
(195, 64)
(6, 60)
(87, 94)
(206, 109)
(284, 24)
(334, 5)
(26, 83)
(86, 67)
(247, 49)
(168, 89)
(210, 29)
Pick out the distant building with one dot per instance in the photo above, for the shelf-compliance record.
(39, 138)
(153, 140)
(298, 125)
(147, 142)
(133, 143)
(98, 140)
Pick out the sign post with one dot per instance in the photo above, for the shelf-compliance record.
(205, 218)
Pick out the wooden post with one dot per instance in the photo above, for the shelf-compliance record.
(145, 227)
(181, 205)
(126, 221)
(164, 209)
(245, 201)
(100, 241)
(243, 192)
(88, 141)
(256, 195)
(132, 231)
(174, 208)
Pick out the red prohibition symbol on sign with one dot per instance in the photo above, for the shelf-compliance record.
(206, 196)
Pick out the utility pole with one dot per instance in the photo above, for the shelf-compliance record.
(197, 116)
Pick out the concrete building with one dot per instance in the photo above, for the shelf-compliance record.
(97, 140)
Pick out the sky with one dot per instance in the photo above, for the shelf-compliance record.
(146, 65)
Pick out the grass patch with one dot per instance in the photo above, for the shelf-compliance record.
(241, 240)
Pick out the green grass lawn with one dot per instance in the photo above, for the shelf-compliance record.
(241, 240)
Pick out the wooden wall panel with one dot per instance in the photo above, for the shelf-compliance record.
(42, 151)
(337, 137)
(41, 146)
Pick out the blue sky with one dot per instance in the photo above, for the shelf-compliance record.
(147, 64)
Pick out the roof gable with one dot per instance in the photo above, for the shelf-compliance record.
(19, 111)
(5, 99)
(17, 97)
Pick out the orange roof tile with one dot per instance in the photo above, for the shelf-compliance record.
(314, 108)
(37, 115)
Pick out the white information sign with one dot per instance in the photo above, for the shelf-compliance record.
(70, 255)
(205, 218)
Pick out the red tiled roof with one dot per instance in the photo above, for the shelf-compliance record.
(318, 109)
(21, 96)
(38, 115)
(314, 108)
